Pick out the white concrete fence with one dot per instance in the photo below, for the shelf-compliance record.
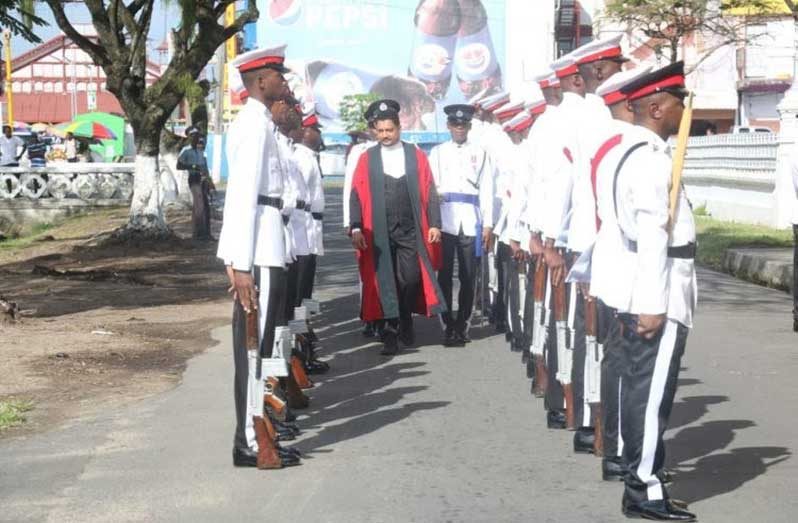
(58, 181)
(734, 177)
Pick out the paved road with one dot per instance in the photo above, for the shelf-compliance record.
(434, 434)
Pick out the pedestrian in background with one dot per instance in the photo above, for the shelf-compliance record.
(192, 159)
(71, 148)
(9, 145)
(37, 150)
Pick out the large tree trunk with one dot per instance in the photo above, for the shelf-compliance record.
(146, 207)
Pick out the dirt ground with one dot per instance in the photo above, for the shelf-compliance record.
(104, 325)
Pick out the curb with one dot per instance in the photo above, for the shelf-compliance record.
(760, 266)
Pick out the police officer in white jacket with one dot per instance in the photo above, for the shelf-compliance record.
(464, 177)
(652, 288)
(251, 242)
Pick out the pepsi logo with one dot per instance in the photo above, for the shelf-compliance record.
(474, 58)
(285, 12)
(432, 59)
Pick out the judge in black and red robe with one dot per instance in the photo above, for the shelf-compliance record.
(395, 222)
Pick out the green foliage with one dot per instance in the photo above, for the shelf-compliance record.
(667, 22)
(12, 413)
(19, 16)
(352, 108)
(716, 236)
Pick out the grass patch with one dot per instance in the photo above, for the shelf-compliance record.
(25, 239)
(716, 236)
(12, 413)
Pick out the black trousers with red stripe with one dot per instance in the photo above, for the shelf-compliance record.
(650, 373)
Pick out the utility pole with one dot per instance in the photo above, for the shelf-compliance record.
(9, 91)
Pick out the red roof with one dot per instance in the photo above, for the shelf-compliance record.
(56, 107)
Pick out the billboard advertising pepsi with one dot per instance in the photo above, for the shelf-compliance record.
(423, 53)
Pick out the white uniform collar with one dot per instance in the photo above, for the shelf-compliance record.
(654, 139)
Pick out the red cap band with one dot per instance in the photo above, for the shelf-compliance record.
(537, 109)
(523, 126)
(261, 62)
(614, 97)
(613, 52)
(567, 71)
(310, 121)
(673, 81)
(509, 113)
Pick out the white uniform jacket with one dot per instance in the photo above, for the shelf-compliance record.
(646, 281)
(539, 136)
(349, 173)
(560, 157)
(501, 149)
(595, 122)
(462, 171)
(311, 172)
(518, 228)
(252, 234)
(295, 197)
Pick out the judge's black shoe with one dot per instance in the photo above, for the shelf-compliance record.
(407, 334)
(368, 330)
(656, 510)
(555, 419)
(245, 457)
(584, 438)
(613, 469)
(517, 344)
(449, 337)
(390, 343)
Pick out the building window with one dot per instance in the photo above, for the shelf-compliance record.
(70, 87)
(58, 87)
(38, 87)
(81, 86)
(26, 87)
(16, 87)
(48, 87)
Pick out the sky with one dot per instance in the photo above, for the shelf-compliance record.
(77, 13)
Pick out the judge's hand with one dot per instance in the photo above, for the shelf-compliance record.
(434, 235)
(245, 289)
(487, 239)
(358, 240)
(556, 264)
(649, 325)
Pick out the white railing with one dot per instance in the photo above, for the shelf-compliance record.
(86, 181)
(735, 157)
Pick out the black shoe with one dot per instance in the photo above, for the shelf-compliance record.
(517, 344)
(525, 357)
(657, 510)
(463, 336)
(285, 431)
(530, 369)
(501, 327)
(665, 476)
(449, 338)
(407, 335)
(795, 325)
(289, 416)
(316, 367)
(584, 438)
(555, 419)
(245, 457)
(613, 469)
(288, 458)
(390, 343)
(289, 451)
(368, 330)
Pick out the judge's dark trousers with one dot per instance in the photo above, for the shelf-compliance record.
(555, 397)
(610, 381)
(299, 284)
(271, 283)
(795, 275)
(464, 248)
(650, 373)
(404, 255)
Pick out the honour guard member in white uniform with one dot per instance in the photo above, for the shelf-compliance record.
(463, 174)
(604, 160)
(652, 286)
(251, 242)
(594, 60)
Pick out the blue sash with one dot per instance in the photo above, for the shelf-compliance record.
(473, 199)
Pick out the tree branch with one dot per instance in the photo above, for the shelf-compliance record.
(97, 52)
